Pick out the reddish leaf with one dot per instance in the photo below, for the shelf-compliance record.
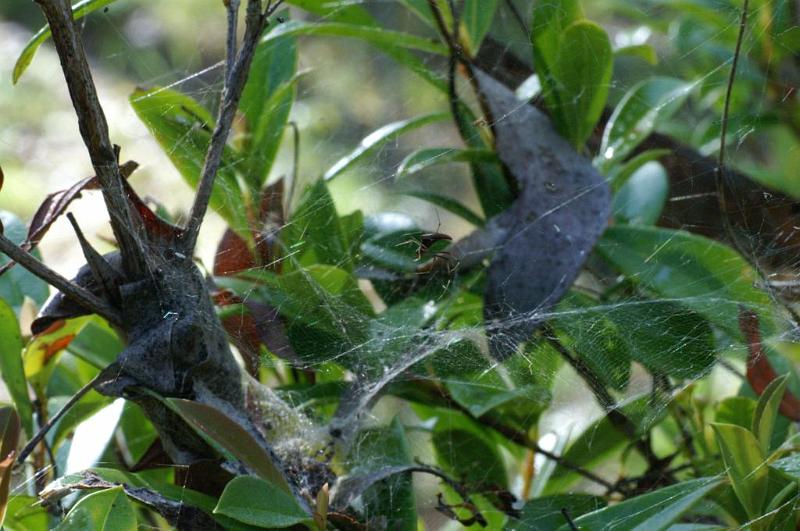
(55, 204)
(759, 370)
(233, 253)
(9, 438)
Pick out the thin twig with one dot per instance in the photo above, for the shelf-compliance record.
(255, 22)
(55, 418)
(78, 294)
(232, 7)
(94, 130)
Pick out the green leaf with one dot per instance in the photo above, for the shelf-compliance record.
(315, 233)
(392, 498)
(182, 127)
(9, 439)
(744, 464)
(767, 412)
(736, 410)
(108, 510)
(447, 203)
(11, 366)
(381, 136)
(466, 455)
(44, 350)
(653, 511)
(643, 51)
(582, 75)
(257, 502)
(223, 432)
(550, 19)
(619, 174)
(18, 283)
(426, 158)
(79, 10)
(701, 274)
(666, 337)
(266, 102)
(640, 111)
(25, 513)
(488, 391)
(380, 37)
(544, 514)
(477, 16)
(642, 198)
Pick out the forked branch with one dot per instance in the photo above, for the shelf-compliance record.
(78, 294)
(237, 69)
(94, 130)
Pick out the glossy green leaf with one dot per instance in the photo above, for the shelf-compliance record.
(447, 203)
(315, 233)
(257, 502)
(642, 51)
(380, 137)
(477, 16)
(619, 174)
(18, 283)
(11, 366)
(107, 510)
(744, 464)
(9, 440)
(642, 198)
(25, 513)
(373, 35)
(266, 102)
(640, 111)
(79, 10)
(582, 74)
(223, 432)
(699, 273)
(466, 455)
(426, 158)
(545, 514)
(653, 511)
(766, 412)
(666, 337)
(550, 20)
(182, 127)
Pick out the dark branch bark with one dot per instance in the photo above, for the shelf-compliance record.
(94, 130)
(80, 295)
(236, 77)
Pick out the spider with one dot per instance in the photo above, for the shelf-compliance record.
(441, 260)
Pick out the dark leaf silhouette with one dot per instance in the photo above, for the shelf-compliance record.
(542, 241)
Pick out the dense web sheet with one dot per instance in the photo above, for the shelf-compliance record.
(375, 358)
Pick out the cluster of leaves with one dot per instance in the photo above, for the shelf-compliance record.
(669, 302)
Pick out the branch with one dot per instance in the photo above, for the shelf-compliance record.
(94, 130)
(78, 294)
(236, 77)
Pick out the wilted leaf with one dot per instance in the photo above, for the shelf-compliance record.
(543, 239)
(9, 439)
(222, 431)
(760, 374)
(43, 350)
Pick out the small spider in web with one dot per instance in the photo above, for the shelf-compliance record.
(440, 261)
